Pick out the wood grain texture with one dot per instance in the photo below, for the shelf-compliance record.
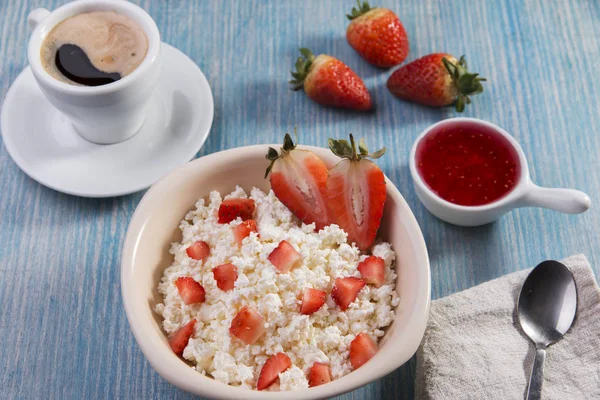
(63, 328)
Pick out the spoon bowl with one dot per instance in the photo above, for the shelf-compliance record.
(546, 310)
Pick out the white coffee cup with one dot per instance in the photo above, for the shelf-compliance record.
(101, 114)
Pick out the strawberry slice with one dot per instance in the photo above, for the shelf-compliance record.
(225, 275)
(270, 371)
(362, 348)
(284, 257)
(356, 191)
(191, 292)
(299, 180)
(312, 300)
(179, 340)
(345, 291)
(319, 374)
(248, 325)
(243, 230)
(198, 250)
(372, 270)
(233, 208)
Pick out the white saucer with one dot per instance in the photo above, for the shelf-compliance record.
(42, 142)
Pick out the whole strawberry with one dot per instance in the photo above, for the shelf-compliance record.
(377, 35)
(436, 80)
(330, 82)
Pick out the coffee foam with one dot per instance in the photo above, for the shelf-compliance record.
(112, 42)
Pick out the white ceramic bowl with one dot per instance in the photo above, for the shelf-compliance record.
(524, 194)
(154, 227)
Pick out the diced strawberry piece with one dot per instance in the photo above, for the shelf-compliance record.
(362, 348)
(356, 192)
(319, 374)
(179, 340)
(312, 300)
(198, 251)
(345, 290)
(270, 371)
(233, 208)
(248, 325)
(372, 270)
(284, 257)
(225, 275)
(299, 180)
(191, 292)
(243, 230)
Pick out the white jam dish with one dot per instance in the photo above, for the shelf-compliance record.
(523, 193)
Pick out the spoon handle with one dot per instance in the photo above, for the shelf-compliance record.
(534, 390)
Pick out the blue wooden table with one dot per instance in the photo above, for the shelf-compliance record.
(63, 329)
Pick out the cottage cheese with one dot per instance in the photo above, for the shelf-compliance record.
(324, 336)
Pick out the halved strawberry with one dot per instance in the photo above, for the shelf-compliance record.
(225, 275)
(270, 371)
(299, 180)
(284, 257)
(191, 292)
(312, 300)
(372, 270)
(248, 325)
(345, 290)
(319, 374)
(356, 191)
(179, 340)
(243, 230)
(233, 208)
(198, 250)
(362, 348)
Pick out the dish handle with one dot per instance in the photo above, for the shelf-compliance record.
(567, 201)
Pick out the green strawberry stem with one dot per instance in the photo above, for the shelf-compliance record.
(467, 84)
(303, 65)
(343, 149)
(361, 10)
(288, 145)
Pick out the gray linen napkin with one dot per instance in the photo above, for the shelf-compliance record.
(474, 347)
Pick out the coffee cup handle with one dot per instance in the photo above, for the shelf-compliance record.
(36, 16)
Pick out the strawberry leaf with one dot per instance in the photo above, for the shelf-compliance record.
(361, 10)
(272, 154)
(467, 84)
(343, 149)
(362, 147)
(306, 53)
(460, 103)
(302, 65)
(288, 143)
(377, 154)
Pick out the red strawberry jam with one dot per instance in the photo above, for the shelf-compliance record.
(468, 164)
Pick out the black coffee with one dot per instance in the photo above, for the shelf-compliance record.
(94, 48)
(74, 64)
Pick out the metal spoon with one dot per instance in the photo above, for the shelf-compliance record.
(546, 309)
